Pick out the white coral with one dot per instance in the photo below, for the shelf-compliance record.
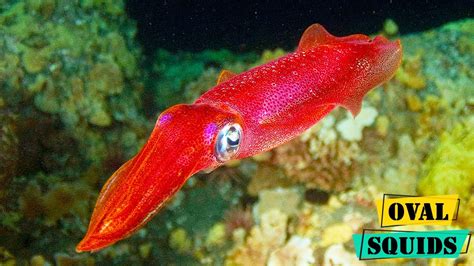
(297, 251)
(338, 255)
(269, 235)
(285, 200)
(324, 130)
(351, 128)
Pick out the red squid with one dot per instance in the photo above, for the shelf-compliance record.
(243, 115)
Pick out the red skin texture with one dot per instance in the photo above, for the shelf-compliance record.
(273, 104)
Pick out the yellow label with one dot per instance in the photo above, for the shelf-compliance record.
(396, 210)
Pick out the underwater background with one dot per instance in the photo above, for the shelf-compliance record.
(81, 86)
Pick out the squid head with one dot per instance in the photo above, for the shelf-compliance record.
(185, 140)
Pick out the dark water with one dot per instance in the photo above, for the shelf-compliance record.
(257, 25)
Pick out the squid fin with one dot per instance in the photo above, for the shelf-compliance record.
(317, 35)
(225, 75)
(353, 104)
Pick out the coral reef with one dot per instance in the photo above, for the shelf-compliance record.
(409, 74)
(78, 75)
(70, 113)
(61, 199)
(326, 156)
(285, 200)
(238, 218)
(338, 255)
(263, 239)
(297, 251)
(351, 128)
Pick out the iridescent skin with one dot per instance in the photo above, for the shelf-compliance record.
(273, 104)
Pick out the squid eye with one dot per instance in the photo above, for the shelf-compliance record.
(228, 142)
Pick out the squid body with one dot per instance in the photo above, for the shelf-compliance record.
(243, 115)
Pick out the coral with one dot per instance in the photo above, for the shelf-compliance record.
(69, 114)
(216, 236)
(338, 255)
(438, 115)
(34, 60)
(297, 251)
(60, 200)
(382, 125)
(63, 199)
(438, 58)
(262, 157)
(76, 70)
(438, 52)
(413, 102)
(351, 128)
(267, 176)
(285, 200)
(469, 258)
(466, 214)
(238, 218)
(410, 74)
(180, 241)
(449, 169)
(308, 222)
(269, 235)
(398, 172)
(408, 160)
(320, 158)
(194, 214)
(336, 234)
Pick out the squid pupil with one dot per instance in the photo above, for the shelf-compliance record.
(232, 142)
(233, 137)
